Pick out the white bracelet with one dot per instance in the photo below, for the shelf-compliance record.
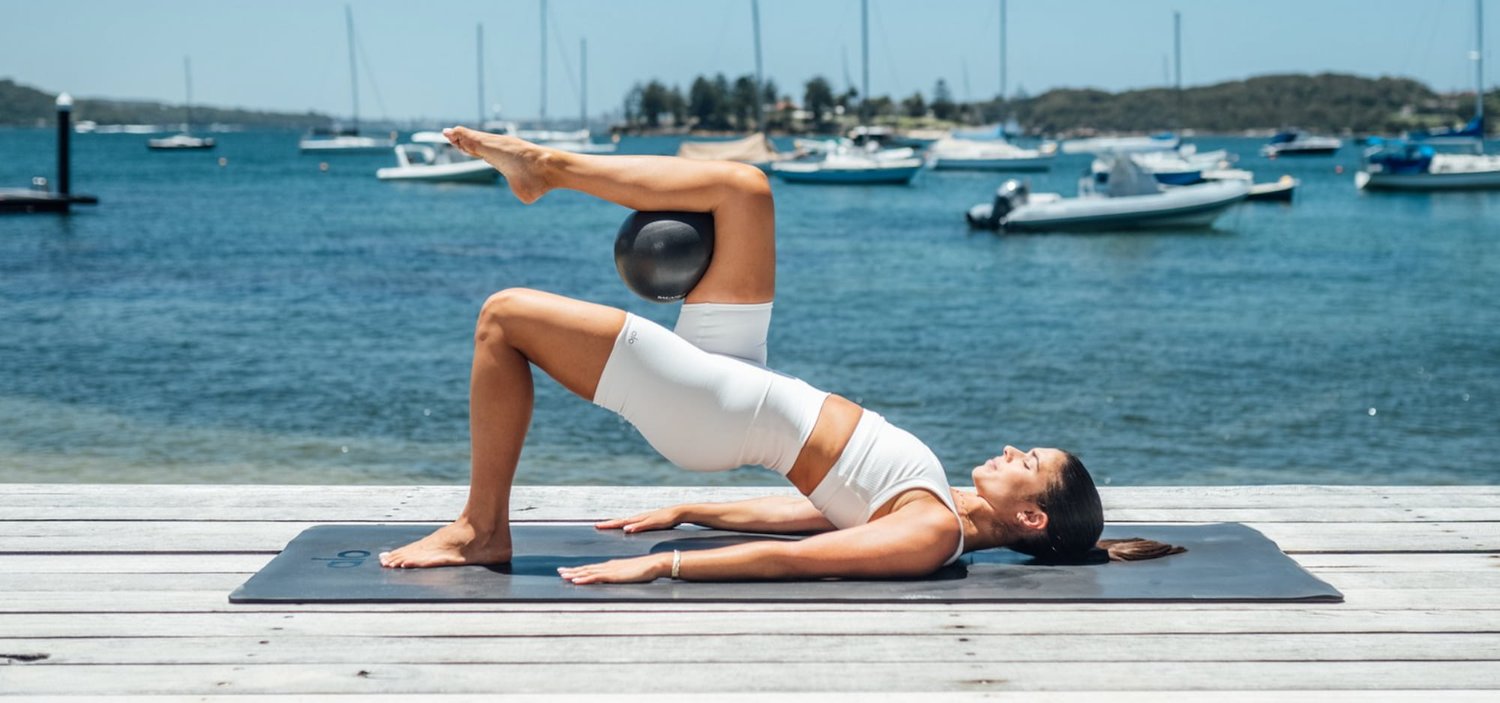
(676, 562)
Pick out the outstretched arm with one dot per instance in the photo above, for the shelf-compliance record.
(773, 514)
(910, 542)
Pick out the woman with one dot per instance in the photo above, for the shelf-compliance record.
(877, 498)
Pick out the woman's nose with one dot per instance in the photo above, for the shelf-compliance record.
(1010, 451)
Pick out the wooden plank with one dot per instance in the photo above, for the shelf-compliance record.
(740, 648)
(266, 537)
(682, 675)
(20, 582)
(475, 622)
(153, 601)
(823, 696)
(167, 563)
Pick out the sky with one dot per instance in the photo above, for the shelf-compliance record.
(419, 58)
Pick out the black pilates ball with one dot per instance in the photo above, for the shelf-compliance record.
(661, 256)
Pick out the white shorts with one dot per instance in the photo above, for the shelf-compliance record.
(733, 329)
(706, 411)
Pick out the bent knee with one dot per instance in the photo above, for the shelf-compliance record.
(750, 181)
(501, 309)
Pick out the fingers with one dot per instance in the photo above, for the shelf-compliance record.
(635, 523)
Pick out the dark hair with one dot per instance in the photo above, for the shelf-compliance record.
(1075, 519)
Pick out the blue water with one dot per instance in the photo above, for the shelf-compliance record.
(266, 321)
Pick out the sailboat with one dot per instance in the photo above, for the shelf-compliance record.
(578, 140)
(184, 140)
(755, 149)
(843, 162)
(1415, 164)
(348, 140)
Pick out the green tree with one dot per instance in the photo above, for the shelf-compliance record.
(743, 100)
(818, 100)
(914, 106)
(943, 106)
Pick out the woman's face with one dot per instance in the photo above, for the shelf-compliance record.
(1016, 477)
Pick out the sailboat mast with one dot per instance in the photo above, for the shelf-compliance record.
(353, 72)
(544, 64)
(864, 48)
(187, 78)
(479, 64)
(1479, 64)
(1003, 48)
(583, 84)
(760, 82)
(1177, 61)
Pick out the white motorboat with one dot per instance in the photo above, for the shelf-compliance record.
(843, 163)
(989, 155)
(431, 158)
(1279, 190)
(346, 141)
(1294, 143)
(1127, 198)
(1121, 145)
(182, 141)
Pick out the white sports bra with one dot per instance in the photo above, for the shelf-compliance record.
(880, 462)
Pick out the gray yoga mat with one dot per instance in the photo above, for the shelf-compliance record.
(338, 564)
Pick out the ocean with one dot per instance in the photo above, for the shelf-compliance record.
(266, 321)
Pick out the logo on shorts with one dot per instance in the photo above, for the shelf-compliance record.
(631, 338)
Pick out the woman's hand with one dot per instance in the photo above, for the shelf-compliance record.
(633, 570)
(659, 519)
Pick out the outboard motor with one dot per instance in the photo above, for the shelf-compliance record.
(1010, 195)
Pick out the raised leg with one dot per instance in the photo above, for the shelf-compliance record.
(739, 196)
(568, 339)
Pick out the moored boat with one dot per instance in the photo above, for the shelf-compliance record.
(431, 158)
(991, 155)
(1295, 143)
(849, 165)
(1128, 198)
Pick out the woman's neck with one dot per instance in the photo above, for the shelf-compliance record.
(982, 528)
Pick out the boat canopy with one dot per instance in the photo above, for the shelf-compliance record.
(429, 138)
(1126, 177)
(1399, 156)
(752, 149)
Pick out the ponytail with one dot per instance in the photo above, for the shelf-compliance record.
(1136, 549)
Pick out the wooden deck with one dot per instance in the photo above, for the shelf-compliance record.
(122, 590)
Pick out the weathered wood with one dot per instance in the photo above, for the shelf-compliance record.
(125, 587)
(868, 621)
(739, 648)
(1114, 696)
(266, 537)
(681, 675)
(124, 583)
(167, 563)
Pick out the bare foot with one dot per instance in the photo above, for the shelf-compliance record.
(454, 544)
(518, 160)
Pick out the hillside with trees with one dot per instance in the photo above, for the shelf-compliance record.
(1326, 102)
(24, 106)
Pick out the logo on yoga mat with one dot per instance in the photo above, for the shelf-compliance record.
(347, 559)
